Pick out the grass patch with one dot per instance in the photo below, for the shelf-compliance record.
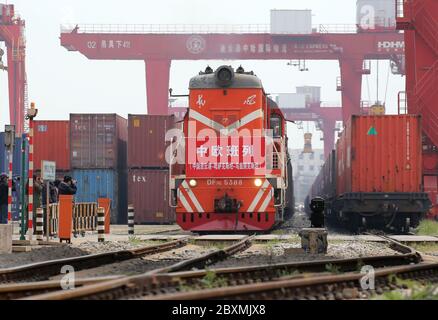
(332, 268)
(427, 228)
(273, 242)
(134, 240)
(210, 281)
(286, 273)
(279, 232)
(414, 291)
(425, 247)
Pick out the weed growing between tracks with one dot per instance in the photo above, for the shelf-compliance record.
(210, 281)
(332, 268)
(134, 240)
(427, 248)
(287, 274)
(412, 290)
(427, 228)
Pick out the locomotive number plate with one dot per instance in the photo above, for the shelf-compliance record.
(225, 182)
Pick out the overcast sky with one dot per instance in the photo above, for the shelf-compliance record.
(61, 82)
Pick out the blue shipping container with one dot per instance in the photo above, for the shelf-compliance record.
(16, 170)
(103, 183)
(16, 167)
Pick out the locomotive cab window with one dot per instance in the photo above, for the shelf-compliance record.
(275, 125)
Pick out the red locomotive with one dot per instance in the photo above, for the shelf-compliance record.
(237, 174)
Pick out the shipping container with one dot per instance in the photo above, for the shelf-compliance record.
(16, 159)
(380, 154)
(312, 93)
(103, 183)
(146, 142)
(291, 101)
(98, 141)
(291, 21)
(383, 12)
(16, 170)
(52, 143)
(148, 192)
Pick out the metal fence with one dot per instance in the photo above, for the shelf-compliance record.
(84, 217)
(53, 219)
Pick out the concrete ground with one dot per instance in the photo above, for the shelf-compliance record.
(172, 232)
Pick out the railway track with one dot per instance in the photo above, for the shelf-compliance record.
(320, 287)
(41, 271)
(20, 290)
(160, 283)
(15, 291)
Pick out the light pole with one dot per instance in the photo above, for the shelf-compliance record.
(31, 114)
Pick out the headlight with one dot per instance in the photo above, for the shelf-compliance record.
(258, 182)
(224, 76)
(193, 183)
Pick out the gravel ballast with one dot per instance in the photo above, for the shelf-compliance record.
(39, 255)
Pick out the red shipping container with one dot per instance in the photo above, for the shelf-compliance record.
(52, 143)
(380, 154)
(146, 142)
(98, 141)
(149, 193)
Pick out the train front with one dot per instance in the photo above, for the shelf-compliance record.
(234, 177)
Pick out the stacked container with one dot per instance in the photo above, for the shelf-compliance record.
(98, 160)
(148, 170)
(52, 143)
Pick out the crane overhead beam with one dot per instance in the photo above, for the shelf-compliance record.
(158, 47)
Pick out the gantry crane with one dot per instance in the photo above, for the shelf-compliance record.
(12, 32)
(419, 20)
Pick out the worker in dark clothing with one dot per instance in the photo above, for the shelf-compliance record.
(53, 194)
(67, 187)
(4, 192)
(38, 186)
(317, 216)
(3, 199)
(53, 198)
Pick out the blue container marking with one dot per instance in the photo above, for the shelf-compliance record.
(16, 170)
(101, 183)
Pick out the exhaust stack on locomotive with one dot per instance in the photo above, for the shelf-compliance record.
(237, 174)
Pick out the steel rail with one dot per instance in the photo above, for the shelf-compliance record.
(21, 290)
(155, 283)
(46, 269)
(207, 259)
(132, 285)
(312, 287)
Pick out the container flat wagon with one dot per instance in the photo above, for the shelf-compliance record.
(373, 180)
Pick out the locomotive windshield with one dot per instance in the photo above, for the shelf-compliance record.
(275, 125)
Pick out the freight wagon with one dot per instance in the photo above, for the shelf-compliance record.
(373, 180)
